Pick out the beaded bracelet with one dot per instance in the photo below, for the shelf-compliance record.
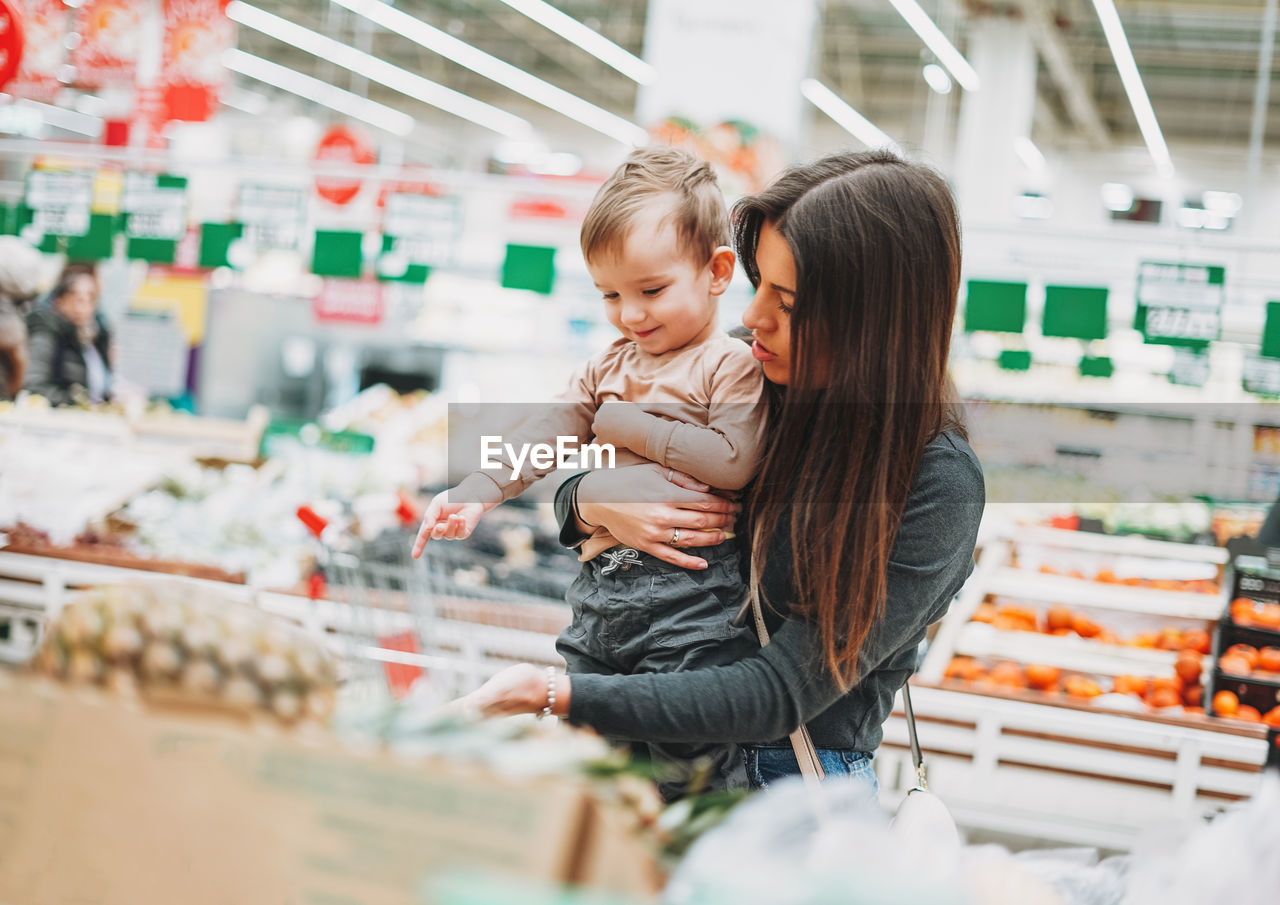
(551, 693)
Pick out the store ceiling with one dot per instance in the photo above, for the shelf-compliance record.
(1198, 59)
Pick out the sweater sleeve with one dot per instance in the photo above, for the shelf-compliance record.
(726, 451)
(775, 690)
(570, 415)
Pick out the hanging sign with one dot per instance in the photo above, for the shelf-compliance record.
(1180, 304)
(1261, 375)
(273, 215)
(196, 35)
(11, 41)
(422, 230)
(44, 49)
(60, 203)
(110, 34)
(342, 145)
(154, 206)
(1190, 368)
(349, 302)
(153, 352)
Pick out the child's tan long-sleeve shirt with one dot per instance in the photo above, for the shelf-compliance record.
(698, 410)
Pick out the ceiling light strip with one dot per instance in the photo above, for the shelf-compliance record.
(503, 73)
(312, 89)
(1133, 87)
(592, 42)
(380, 71)
(936, 41)
(845, 116)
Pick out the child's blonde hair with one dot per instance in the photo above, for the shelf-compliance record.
(697, 205)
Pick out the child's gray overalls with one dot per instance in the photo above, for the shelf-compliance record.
(634, 613)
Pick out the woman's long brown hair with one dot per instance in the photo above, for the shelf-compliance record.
(876, 242)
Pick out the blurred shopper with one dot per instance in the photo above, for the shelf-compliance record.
(69, 348)
(863, 518)
(20, 272)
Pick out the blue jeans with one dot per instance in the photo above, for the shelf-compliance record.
(766, 765)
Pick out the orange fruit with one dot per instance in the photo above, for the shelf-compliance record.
(1247, 651)
(1009, 675)
(1193, 695)
(1106, 576)
(1248, 714)
(1272, 718)
(1164, 698)
(1040, 676)
(1062, 632)
(1130, 685)
(986, 612)
(1084, 626)
(1234, 664)
(1196, 639)
(964, 668)
(1225, 703)
(1269, 659)
(1187, 666)
(1146, 639)
(1080, 687)
(1269, 616)
(1056, 688)
(1242, 611)
(1170, 639)
(1106, 637)
(1059, 617)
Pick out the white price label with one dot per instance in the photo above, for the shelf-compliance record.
(1182, 323)
(1262, 376)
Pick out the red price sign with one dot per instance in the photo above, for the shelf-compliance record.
(342, 145)
(11, 41)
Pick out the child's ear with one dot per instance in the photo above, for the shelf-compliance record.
(722, 260)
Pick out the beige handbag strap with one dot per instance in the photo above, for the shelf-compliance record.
(806, 753)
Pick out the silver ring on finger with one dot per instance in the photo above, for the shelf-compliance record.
(671, 473)
(675, 536)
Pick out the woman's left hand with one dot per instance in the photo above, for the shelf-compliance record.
(517, 689)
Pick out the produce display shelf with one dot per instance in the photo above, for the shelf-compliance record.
(1021, 762)
(1071, 653)
(1027, 585)
(1122, 545)
(472, 638)
(1271, 680)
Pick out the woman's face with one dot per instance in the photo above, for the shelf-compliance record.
(768, 317)
(79, 302)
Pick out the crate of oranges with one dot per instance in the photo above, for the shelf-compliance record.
(1179, 694)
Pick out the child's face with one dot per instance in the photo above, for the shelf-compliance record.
(654, 293)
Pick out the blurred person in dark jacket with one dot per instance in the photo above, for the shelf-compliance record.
(69, 347)
(21, 267)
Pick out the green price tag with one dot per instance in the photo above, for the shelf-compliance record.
(995, 306)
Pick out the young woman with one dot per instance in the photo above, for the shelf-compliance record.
(70, 348)
(863, 518)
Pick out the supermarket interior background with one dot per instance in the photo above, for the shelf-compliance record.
(320, 232)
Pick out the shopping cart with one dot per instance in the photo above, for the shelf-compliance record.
(397, 623)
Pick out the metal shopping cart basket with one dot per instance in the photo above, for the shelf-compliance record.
(396, 622)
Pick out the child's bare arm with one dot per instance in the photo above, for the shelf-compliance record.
(448, 520)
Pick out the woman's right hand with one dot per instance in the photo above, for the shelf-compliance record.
(643, 508)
